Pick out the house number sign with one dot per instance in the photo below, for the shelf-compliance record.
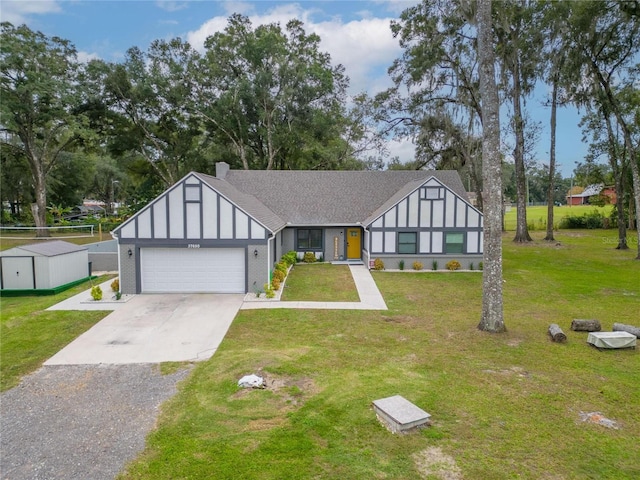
(193, 245)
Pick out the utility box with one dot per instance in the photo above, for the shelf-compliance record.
(399, 415)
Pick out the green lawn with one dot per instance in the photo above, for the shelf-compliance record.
(537, 216)
(29, 334)
(320, 283)
(503, 406)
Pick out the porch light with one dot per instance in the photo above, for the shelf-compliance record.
(255, 253)
(129, 252)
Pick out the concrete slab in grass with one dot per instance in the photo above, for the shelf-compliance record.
(400, 415)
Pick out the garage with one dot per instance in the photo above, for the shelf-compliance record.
(201, 235)
(192, 270)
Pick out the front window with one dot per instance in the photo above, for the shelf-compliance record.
(407, 242)
(454, 243)
(309, 239)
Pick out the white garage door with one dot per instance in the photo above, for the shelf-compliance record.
(185, 270)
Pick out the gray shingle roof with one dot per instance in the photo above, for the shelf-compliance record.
(246, 202)
(330, 197)
(52, 248)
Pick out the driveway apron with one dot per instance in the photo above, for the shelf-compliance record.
(153, 329)
(80, 421)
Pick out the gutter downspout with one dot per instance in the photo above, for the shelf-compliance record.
(367, 246)
(115, 236)
(269, 262)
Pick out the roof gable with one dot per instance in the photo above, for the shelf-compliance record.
(408, 190)
(173, 200)
(248, 203)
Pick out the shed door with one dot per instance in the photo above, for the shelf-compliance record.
(185, 270)
(17, 273)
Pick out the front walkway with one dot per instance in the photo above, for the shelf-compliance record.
(370, 296)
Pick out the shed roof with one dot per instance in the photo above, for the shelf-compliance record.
(48, 249)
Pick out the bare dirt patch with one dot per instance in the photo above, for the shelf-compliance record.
(434, 462)
(292, 391)
(401, 319)
(598, 418)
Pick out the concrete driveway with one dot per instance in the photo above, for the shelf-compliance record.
(155, 328)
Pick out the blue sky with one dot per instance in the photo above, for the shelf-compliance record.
(355, 33)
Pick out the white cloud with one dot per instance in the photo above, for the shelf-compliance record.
(365, 47)
(86, 57)
(18, 12)
(403, 148)
(171, 6)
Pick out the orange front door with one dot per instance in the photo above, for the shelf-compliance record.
(354, 244)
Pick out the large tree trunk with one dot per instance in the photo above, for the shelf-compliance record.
(39, 207)
(633, 153)
(492, 312)
(552, 161)
(635, 175)
(618, 175)
(522, 232)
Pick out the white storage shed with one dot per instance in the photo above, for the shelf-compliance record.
(44, 265)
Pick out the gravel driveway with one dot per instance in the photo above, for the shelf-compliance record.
(80, 421)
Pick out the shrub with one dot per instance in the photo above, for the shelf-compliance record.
(282, 267)
(115, 285)
(591, 220)
(278, 274)
(96, 293)
(434, 265)
(598, 200)
(378, 264)
(309, 257)
(401, 265)
(118, 295)
(275, 284)
(595, 220)
(290, 258)
(321, 259)
(481, 265)
(453, 265)
(268, 291)
(471, 266)
(417, 265)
